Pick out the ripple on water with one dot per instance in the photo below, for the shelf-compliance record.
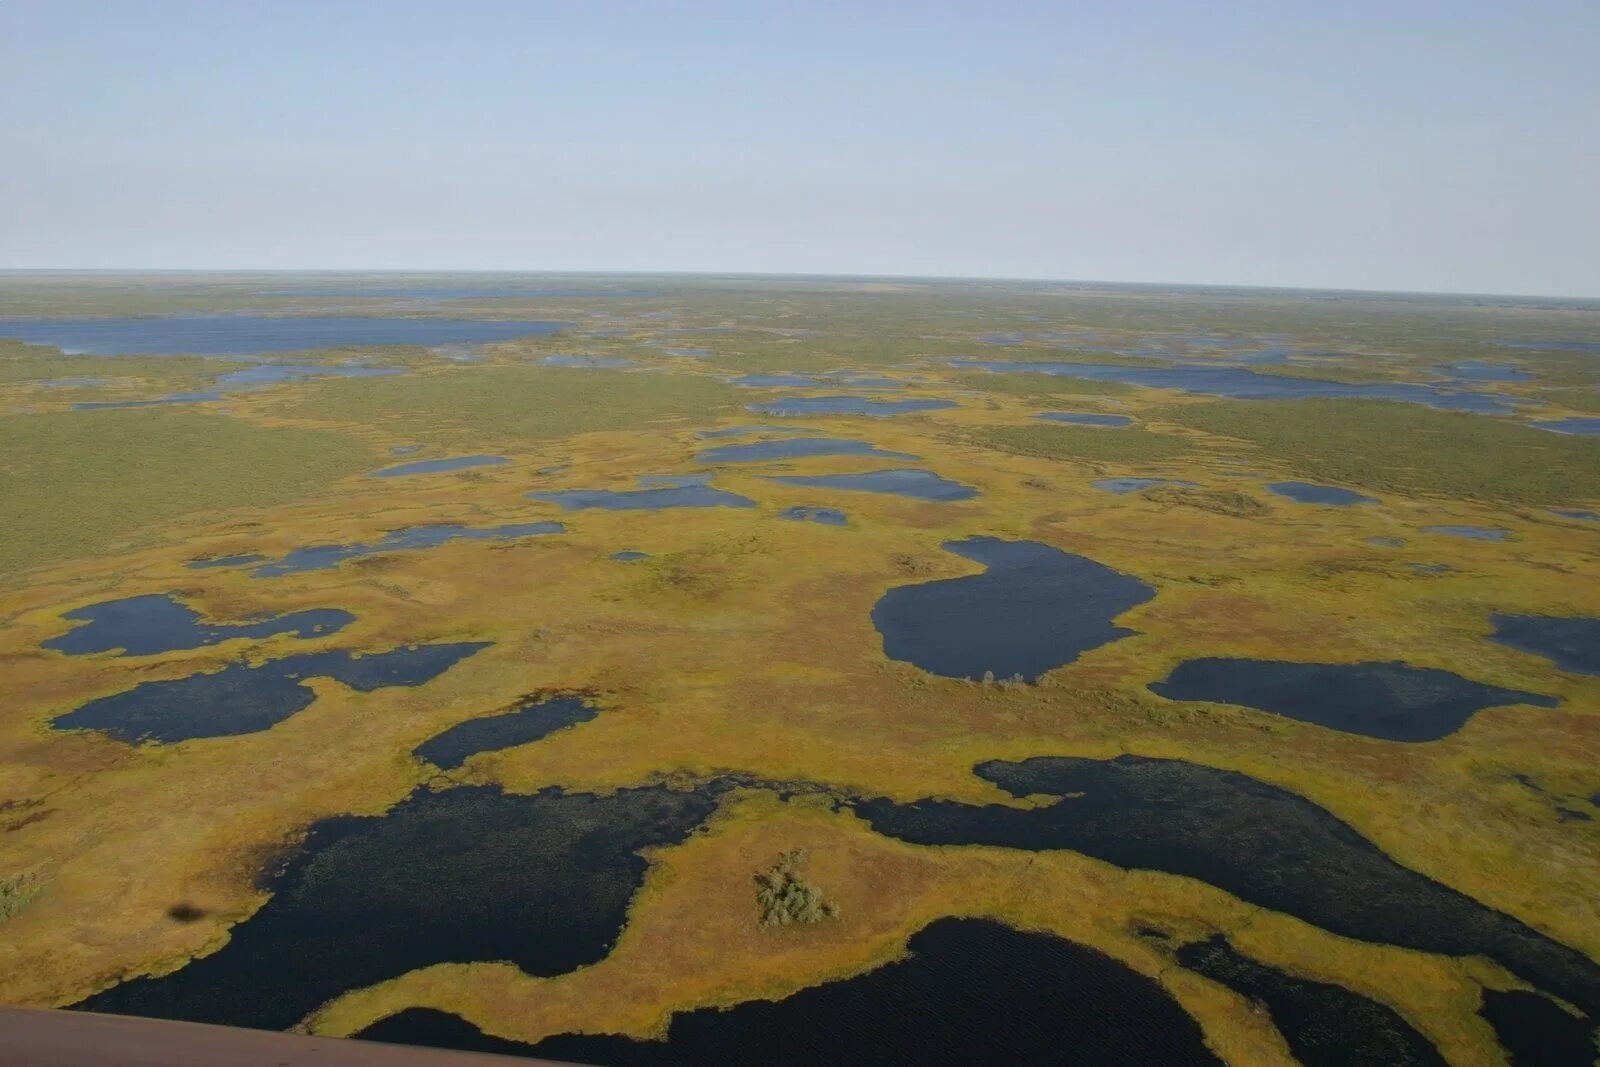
(1034, 608)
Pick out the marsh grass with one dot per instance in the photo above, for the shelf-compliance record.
(1086, 443)
(1218, 501)
(78, 484)
(1407, 448)
(20, 364)
(475, 402)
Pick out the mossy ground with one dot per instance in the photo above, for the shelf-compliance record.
(744, 644)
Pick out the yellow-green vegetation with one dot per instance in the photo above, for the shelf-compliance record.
(784, 898)
(16, 893)
(1083, 443)
(510, 402)
(1585, 400)
(1407, 448)
(81, 484)
(1032, 384)
(1222, 501)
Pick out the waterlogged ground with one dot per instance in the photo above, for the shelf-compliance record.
(1167, 676)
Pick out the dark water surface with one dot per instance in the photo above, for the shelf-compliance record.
(593, 362)
(972, 991)
(1080, 418)
(795, 448)
(745, 431)
(1263, 844)
(240, 335)
(826, 516)
(1573, 644)
(1325, 1025)
(917, 484)
(1392, 701)
(1536, 1031)
(657, 491)
(146, 625)
(1034, 608)
(1471, 533)
(1477, 370)
(531, 720)
(244, 699)
(412, 538)
(1306, 493)
(1123, 486)
(466, 875)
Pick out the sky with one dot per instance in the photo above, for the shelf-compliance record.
(1398, 145)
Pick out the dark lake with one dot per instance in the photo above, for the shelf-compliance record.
(794, 448)
(243, 699)
(1325, 1025)
(1263, 844)
(439, 466)
(629, 557)
(596, 362)
(1123, 486)
(146, 625)
(1573, 644)
(1241, 384)
(847, 405)
(1306, 493)
(465, 875)
(1536, 1031)
(826, 516)
(532, 719)
(917, 484)
(1033, 608)
(239, 335)
(1392, 701)
(412, 538)
(655, 493)
(972, 991)
(1083, 418)
(1573, 425)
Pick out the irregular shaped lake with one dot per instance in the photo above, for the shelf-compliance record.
(1084, 418)
(225, 561)
(1306, 493)
(848, 405)
(243, 699)
(1033, 609)
(1123, 486)
(239, 335)
(1574, 425)
(412, 538)
(460, 876)
(823, 381)
(1392, 701)
(1325, 1025)
(1473, 533)
(146, 625)
(794, 448)
(971, 991)
(1571, 644)
(745, 431)
(917, 484)
(655, 493)
(826, 516)
(439, 466)
(1263, 844)
(1240, 384)
(531, 720)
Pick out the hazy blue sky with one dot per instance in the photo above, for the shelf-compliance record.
(1447, 146)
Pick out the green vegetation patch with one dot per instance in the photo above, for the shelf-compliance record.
(1575, 399)
(785, 899)
(1408, 448)
(1038, 385)
(16, 893)
(1087, 443)
(79, 484)
(26, 363)
(1218, 501)
(475, 403)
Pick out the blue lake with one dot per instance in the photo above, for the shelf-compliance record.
(1080, 418)
(530, 720)
(655, 493)
(847, 405)
(746, 431)
(825, 516)
(146, 625)
(629, 557)
(1476, 370)
(1573, 425)
(326, 557)
(688, 353)
(1122, 486)
(917, 484)
(1240, 384)
(239, 335)
(1392, 701)
(225, 561)
(242, 699)
(1386, 542)
(823, 381)
(438, 466)
(595, 362)
(1575, 513)
(1474, 533)
(1307, 493)
(794, 448)
(463, 293)
(1573, 644)
(1034, 608)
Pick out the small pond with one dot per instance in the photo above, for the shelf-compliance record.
(848, 405)
(1573, 644)
(1307, 493)
(1392, 701)
(746, 431)
(825, 516)
(412, 538)
(655, 493)
(1477, 370)
(794, 448)
(1123, 486)
(225, 561)
(1034, 608)
(532, 719)
(147, 625)
(629, 557)
(1573, 425)
(1084, 418)
(439, 466)
(593, 362)
(1574, 513)
(914, 483)
(1472, 533)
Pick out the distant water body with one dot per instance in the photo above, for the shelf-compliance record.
(246, 335)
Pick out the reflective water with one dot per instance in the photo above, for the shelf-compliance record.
(1476, 370)
(745, 431)
(1084, 418)
(531, 720)
(655, 493)
(225, 561)
(598, 362)
(1573, 425)
(234, 335)
(1307, 493)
